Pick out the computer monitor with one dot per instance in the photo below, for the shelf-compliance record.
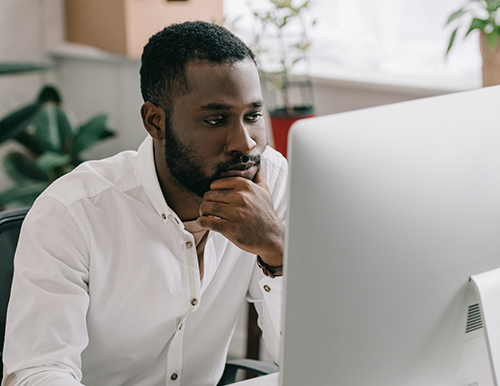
(391, 211)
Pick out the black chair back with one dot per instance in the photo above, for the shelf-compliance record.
(10, 226)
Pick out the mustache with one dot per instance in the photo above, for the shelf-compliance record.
(253, 160)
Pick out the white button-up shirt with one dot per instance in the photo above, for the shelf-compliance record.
(107, 289)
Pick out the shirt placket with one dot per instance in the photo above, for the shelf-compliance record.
(175, 355)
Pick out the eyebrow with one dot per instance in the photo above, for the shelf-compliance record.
(224, 107)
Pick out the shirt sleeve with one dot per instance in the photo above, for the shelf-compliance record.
(267, 293)
(46, 330)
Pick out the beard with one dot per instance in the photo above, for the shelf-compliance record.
(186, 165)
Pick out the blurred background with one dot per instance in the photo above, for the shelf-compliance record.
(317, 57)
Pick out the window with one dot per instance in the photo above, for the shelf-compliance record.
(398, 38)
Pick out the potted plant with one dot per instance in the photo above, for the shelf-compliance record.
(51, 144)
(482, 15)
(281, 43)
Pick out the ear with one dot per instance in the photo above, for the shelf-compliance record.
(153, 119)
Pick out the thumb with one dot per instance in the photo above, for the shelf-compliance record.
(260, 179)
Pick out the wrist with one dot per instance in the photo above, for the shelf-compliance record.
(270, 270)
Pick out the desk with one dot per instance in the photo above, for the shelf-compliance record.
(266, 380)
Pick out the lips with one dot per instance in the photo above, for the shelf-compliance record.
(243, 170)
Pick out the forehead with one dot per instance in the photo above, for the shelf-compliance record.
(229, 83)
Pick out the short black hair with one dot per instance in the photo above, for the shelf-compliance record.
(165, 56)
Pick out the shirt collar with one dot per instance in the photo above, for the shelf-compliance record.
(149, 179)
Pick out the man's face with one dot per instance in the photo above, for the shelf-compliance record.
(216, 130)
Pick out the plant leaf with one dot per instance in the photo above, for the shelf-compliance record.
(49, 94)
(46, 128)
(302, 46)
(51, 160)
(492, 39)
(107, 134)
(29, 141)
(306, 4)
(16, 122)
(452, 39)
(91, 132)
(492, 4)
(21, 167)
(24, 193)
(18, 68)
(476, 24)
(456, 15)
(65, 128)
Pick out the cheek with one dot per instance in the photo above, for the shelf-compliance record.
(210, 145)
(261, 136)
(208, 149)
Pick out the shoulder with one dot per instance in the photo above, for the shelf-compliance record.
(275, 168)
(273, 155)
(92, 178)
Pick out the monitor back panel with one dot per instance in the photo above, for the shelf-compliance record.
(391, 210)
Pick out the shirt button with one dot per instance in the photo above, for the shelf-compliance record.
(173, 377)
(180, 326)
(163, 216)
(194, 302)
(267, 288)
(189, 244)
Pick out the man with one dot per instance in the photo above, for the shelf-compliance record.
(133, 270)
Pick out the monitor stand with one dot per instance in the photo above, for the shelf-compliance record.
(487, 285)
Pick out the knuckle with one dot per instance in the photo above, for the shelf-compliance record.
(203, 207)
(245, 200)
(217, 208)
(209, 195)
(218, 227)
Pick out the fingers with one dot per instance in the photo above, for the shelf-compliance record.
(260, 179)
(232, 183)
(223, 196)
(225, 188)
(241, 210)
(212, 223)
(214, 208)
(228, 183)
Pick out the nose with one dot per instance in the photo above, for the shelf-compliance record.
(239, 140)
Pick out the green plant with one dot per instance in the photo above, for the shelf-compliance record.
(51, 144)
(287, 26)
(482, 15)
(19, 68)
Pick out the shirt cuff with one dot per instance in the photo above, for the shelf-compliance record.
(272, 293)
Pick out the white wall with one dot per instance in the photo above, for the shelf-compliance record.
(94, 81)
(27, 28)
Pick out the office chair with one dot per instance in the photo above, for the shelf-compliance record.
(250, 365)
(10, 226)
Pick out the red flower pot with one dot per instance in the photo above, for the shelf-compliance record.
(281, 120)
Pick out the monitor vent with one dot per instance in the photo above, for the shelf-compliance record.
(474, 321)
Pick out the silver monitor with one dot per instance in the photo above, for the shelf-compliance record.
(392, 210)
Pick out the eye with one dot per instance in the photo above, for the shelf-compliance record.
(214, 121)
(254, 117)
